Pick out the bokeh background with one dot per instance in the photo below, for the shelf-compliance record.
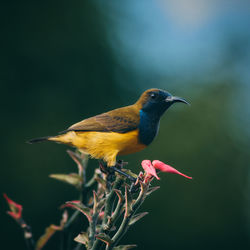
(61, 62)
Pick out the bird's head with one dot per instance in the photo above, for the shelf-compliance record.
(157, 101)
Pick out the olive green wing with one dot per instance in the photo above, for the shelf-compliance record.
(119, 120)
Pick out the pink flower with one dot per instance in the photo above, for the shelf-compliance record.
(150, 169)
(166, 168)
(15, 209)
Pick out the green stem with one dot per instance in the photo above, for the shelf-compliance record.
(91, 182)
(110, 199)
(115, 215)
(83, 198)
(141, 197)
(92, 229)
(66, 237)
(125, 223)
(28, 236)
(108, 210)
(121, 231)
(71, 220)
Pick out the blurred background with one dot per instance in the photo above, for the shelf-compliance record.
(61, 62)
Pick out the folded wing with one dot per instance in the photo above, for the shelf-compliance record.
(120, 120)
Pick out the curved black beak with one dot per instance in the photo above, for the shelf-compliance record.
(177, 99)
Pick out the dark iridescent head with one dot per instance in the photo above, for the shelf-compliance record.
(157, 101)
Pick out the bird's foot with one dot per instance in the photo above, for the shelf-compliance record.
(120, 164)
(118, 168)
(134, 182)
(119, 171)
(110, 173)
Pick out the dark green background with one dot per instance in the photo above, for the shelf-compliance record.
(58, 66)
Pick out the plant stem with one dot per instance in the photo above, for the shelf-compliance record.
(91, 182)
(71, 220)
(125, 223)
(110, 199)
(92, 230)
(28, 236)
(108, 209)
(121, 231)
(114, 216)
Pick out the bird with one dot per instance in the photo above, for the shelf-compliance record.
(121, 131)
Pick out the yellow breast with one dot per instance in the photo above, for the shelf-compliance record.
(103, 145)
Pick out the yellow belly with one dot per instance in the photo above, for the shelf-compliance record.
(103, 145)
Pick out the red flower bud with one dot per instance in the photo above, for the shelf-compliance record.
(166, 168)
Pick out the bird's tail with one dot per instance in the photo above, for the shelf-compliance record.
(40, 139)
(61, 138)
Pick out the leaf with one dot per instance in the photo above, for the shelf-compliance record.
(137, 217)
(82, 238)
(128, 202)
(105, 238)
(142, 195)
(80, 207)
(15, 208)
(72, 179)
(49, 231)
(64, 219)
(144, 187)
(124, 247)
(152, 189)
(101, 203)
(80, 160)
(101, 181)
(119, 194)
(95, 202)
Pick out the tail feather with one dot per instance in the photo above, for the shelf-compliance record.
(61, 138)
(40, 139)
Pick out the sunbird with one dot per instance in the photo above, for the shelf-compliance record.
(120, 131)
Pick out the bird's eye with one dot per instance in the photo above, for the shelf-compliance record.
(153, 95)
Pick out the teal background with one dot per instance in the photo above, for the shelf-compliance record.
(61, 62)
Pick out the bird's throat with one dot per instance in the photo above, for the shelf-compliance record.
(148, 127)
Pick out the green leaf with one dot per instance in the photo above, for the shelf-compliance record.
(119, 194)
(95, 202)
(128, 202)
(72, 179)
(101, 181)
(105, 238)
(152, 189)
(80, 159)
(82, 238)
(49, 232)
(144, 187)
(80, 207)
(124, 247)
(101, 203)
(137, 217)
